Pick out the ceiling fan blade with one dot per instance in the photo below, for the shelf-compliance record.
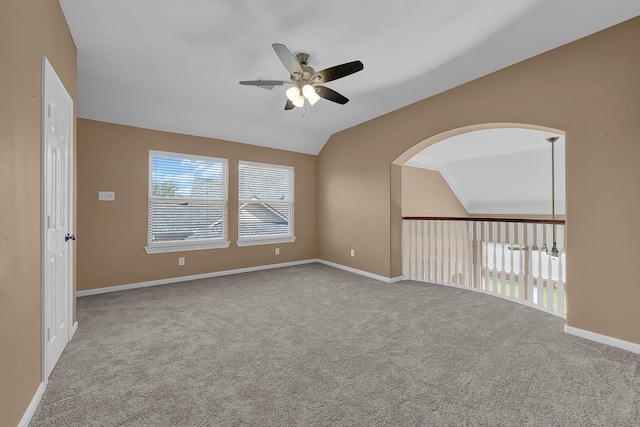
(289, 105)
(331, 95)
(286, 57)
(339, 71)
(261, 83)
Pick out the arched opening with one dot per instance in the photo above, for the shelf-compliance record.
(483, 208)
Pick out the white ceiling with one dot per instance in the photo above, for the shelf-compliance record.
(500, 171)
(174, 65)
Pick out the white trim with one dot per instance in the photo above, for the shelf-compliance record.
(180, 156)
(192, 277)
(159, 282)
(185, 245)
(267, 240)
(361, 272)
(33, 405)
(74, 329)
(164, 247)
(265, 165)
(603, 339)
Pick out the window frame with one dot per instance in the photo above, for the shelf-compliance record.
(188, 245)
(272, 238)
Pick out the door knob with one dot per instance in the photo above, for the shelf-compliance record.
(68, 237)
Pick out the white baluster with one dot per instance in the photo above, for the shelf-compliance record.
(530, 287)
(521, 255)
(456, 257)
(470, 265)
(479, 260)
(449, 257)
(511, 271)
(550, 279)
(422, 252)
(429, 260)
(404, 239)
(442, 260)
(463, 232)
(540, 280)
(486, 237)
(503, 268)
(413, 255)
(494, 240)
(560, 286)
(416, 255)
(435, 251)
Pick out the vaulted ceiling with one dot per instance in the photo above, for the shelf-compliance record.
(501, 171)
(175, 65)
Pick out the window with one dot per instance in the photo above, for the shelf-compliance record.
(265, 204)
(187, 202)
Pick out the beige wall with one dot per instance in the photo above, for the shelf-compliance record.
(589, 89)
(426, 193)
(112, 235)
(28, 30)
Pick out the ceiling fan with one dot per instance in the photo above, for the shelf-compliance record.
(305, 81)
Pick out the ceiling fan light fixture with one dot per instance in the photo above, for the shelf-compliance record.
(293, 93)
(315, 98)
(308, 91)
(303, 78)
(299, 101)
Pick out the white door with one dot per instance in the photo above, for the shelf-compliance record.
(57, 215)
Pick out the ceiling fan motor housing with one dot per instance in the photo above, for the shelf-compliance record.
(307, 71)
(303, 58)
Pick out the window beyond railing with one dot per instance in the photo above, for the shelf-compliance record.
(521, 260)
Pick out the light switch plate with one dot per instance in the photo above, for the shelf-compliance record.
(106, 196)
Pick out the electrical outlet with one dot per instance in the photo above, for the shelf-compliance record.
(181, 260)
(353, 252)
(277, 251)
(106, 196)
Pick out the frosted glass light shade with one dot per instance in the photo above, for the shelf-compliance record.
(308, 91)
(313, 99)
(299, 101)
(292, 93)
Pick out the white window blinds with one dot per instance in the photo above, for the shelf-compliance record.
(265, 204)
(187, 202)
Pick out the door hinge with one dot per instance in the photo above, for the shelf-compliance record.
(49, 110)
(49, 334)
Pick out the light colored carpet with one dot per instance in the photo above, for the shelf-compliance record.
(313, 345)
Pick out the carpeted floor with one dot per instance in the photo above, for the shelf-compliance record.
(313, 345)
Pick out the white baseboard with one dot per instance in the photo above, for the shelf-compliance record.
(33, 405)
(361, 272)
(603, 339)
(74, 328)
(118, 288)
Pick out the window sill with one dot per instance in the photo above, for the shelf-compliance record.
(267, 240)
(159, 248)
